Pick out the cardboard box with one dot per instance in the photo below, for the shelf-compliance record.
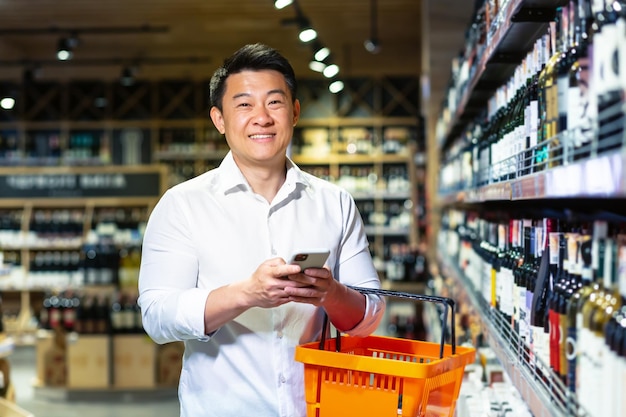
(170, 363)
(88, 361)
(134, 361)
(51, 361)
(44, 342)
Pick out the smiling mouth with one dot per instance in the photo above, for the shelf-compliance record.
(265, 136)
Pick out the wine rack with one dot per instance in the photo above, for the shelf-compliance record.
(383, 184)
(512, 148)
(58, 222)
(544, 393)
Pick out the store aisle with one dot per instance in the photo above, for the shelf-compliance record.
(23, 371)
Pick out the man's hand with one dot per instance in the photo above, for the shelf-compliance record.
(316, 285)
(271, 284)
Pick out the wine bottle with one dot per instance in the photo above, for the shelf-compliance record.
(552, 90)
(616, 309)
(573, 305)
(579, 114)
(606, 307)
(608, 86)
(591, 341)
(539, 312)
(541, 153)
(560, 144)
(524, 287)
(573, 283)
(557, 280)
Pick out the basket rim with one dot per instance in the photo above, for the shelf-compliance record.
(310, 354)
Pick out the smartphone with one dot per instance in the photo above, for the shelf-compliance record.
(312, 258)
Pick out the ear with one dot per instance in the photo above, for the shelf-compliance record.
(296, 111)
(218, 119)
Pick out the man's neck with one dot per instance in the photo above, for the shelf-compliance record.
(265, 181)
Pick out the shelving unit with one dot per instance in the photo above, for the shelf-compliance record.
(55, 212)
(569, 185)
(510, 34)
(103, 126)
(545, 396)
(382, 183)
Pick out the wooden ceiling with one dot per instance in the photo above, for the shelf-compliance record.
(213, 29)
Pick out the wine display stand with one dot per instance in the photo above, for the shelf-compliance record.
(55, 213)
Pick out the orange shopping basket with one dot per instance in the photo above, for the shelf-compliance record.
(379, 376)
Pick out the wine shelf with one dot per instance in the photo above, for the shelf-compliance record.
(544, 393)
(509, 37)
(600, 177)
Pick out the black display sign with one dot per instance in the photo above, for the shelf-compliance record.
(71, 185)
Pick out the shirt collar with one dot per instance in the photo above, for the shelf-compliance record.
(231, 178)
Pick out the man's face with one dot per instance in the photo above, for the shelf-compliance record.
(257, 117)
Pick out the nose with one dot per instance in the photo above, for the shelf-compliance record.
(262, 116)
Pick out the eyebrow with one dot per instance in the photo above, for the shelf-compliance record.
(269, 93)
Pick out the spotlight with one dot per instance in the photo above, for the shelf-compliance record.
(321, 54)
(281, 4)
(307, 34)
(7, 103)
(372, 46)
(317, 66)
(65, 48)
(128, 76)
(331, 70)
(335, 86)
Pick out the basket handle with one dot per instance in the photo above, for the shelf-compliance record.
(447, 303)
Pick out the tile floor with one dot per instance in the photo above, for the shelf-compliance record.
(22, 361)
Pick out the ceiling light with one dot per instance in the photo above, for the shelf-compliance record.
(65, 48)
(372, 46)
(321, 54)
(307, 34)
(317, 66)
(128, 76)
(335, 86)
(331, 70)
(281, 4)
(7, 103)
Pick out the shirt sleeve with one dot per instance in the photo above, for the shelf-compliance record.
(356, 268)
(172, 306)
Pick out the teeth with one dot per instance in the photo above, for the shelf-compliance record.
(260, 136)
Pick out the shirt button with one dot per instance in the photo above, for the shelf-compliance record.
(281, 379)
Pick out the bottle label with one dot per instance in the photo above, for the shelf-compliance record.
(55, 317)
(621, 30)
(609, 71)
(574, 113)
(554, 239)
(555, 336)
(571, 355)
(562, 345)
(562, 90)
(534, 122)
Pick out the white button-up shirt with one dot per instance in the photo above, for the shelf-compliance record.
(214, 230)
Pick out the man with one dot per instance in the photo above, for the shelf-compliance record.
(213, 271)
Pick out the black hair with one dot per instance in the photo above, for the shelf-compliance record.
(254, 57)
